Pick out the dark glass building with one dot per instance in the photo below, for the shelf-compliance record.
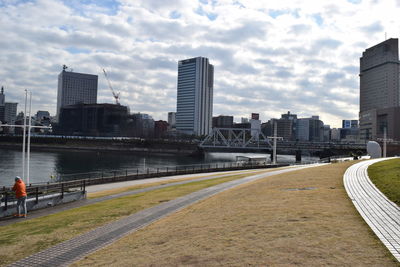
(93, 120)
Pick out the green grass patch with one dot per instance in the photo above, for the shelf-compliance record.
(386, 176)
(27, 237)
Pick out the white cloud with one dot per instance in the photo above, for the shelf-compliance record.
(269, 56)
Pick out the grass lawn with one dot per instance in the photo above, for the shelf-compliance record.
(115, 191)
(27, 237)
(264, 223)
(386, 176)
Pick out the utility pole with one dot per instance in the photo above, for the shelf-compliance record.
(24, 138)
(384, 142)
(275, 138)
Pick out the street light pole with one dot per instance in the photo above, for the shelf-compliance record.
(24, 137)
(29, 140)
(25, 149)
(384, 142)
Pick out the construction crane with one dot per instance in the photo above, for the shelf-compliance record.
(116, 96)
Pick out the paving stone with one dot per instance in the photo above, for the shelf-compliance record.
(381, 214)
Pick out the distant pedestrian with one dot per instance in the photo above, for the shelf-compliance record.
(20, 193)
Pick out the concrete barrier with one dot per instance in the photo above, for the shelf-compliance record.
(43, 202)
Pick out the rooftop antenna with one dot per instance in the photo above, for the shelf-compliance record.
(65, 68)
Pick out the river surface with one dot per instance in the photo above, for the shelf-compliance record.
(48, 166)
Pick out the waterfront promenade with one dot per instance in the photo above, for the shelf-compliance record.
(109, 188)
(76, 248)
(282, 205)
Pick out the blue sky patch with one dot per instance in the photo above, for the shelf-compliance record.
(175, 15)
(109, 7)
(76, 50)
(274, 13)
(354, 1)
(14, 3)
(318, 19)
(237, 3)
(201, 12)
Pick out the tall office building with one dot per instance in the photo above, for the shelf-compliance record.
(171, 120)
(8, 110)
(2, 106)
(75, 88)
(379, 90)
(2, 97)
(195, 96)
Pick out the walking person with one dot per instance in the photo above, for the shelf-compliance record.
(20, 193)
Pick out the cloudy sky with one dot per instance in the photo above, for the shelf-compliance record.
(269, 56)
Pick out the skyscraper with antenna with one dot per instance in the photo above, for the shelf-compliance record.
(8, 110)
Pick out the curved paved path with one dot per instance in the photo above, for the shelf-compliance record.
(381, 214)
(72, 250)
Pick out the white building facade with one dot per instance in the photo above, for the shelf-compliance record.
(195, 96)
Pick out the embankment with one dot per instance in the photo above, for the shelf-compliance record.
(123, 145)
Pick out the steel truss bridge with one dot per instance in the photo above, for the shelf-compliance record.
(236, 138)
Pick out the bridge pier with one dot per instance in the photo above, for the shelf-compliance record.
(298, 156)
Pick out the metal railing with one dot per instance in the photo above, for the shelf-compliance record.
(79, 181)
(146, 172)
(7, 196)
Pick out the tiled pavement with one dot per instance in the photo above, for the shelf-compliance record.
(381, 214)
(72, 250)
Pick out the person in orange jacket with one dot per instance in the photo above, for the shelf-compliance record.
(20, 193)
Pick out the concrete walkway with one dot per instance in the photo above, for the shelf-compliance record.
(72, 250)
(168, 181)
(381, 214)
(110, 186)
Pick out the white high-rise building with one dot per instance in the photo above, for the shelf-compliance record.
(195, 96)
(74, 88)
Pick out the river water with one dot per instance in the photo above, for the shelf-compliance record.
(61, 163)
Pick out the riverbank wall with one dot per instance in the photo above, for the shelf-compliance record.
(122, 145)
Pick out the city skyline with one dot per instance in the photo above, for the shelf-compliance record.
(300, 56)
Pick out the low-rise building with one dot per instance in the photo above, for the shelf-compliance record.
(222, 121)
(93, 120)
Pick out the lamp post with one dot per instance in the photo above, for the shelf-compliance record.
(24, 138)
(26, 148)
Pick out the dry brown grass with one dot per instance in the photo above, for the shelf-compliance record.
(27, 237)
(135, 187)
(258, 224)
